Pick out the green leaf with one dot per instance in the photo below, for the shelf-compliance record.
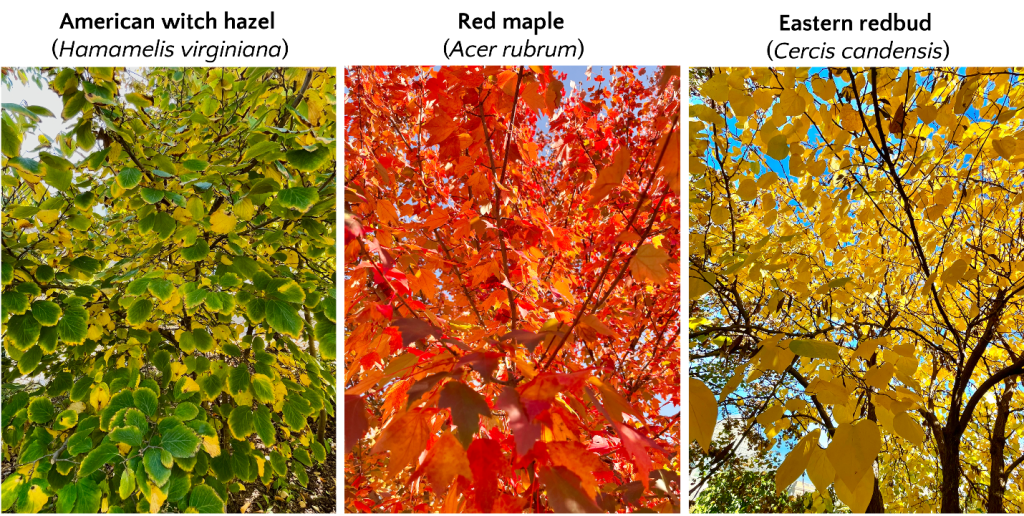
(204, 342)
(161, 288)
(79, 443)
(195, 165)
(30, 360)
(15, 303)
(301, 455)
(140, 102)
(286, 290)
(238, 379)
(260, 148)
(10, 139)
(186, 411)
(164, 225)
(73, 105)
(146, 400)
(319, 452)
(99, 456)
(155, 468)
(180, 441)
(89, 497)
(294, 415)
(73, 326)
(40, 410)
(152, 195)
(307, 161)
(179, 486)
(129, 178)
(195, 297)
(80, 391)
(7, 273)
(277, 461)
(196, 252)
(139, 312)
(127, 486)
(23, 331)
(47, 313)
(130, 435)
(65, 420)
(283, 318)
(66, 497)
(58, 178)
(263, 388)
(263, 186)
(301, 199)
(204, 499)
(264, 426)
(240, 422)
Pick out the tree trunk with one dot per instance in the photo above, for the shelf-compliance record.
(950, 458)
(876, 505)
(321, 426)
(996, 446)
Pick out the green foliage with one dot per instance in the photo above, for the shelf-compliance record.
(136, 245)
(745, 491)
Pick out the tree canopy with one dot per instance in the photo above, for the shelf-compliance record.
(168, 286)
(512, 310)
(856, 281)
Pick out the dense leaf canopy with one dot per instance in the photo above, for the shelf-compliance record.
(168, 286)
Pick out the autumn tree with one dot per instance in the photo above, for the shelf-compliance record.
(511, 300)
(168, 287)
(856, 287)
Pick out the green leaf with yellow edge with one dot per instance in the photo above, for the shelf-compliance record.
(263, 388)
(195, 165)
(139, 312)
(180, 441)
(815, 349)
(40, 410)
(204, 499)
(155, 468)
(203, 340)
(283, 318)
(129, 178)
(703, 413)
(23, 331)
(240, 422)
(301, 199)
(129, 435)
(146, 400)
(264, 426)
(196, 252)
(73, 325)
(308, 161)
(30, 360)
(47, 313)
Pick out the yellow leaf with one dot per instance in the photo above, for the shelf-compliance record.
(954, 272)
(222, 223)
(853, 450)
(211, 445)
(100, 396)
(796, 461)
(703, 413)
(598, 326)
(815, 349)
(908, 428)
(819, 469)
(156, 498)
(747, 189)
(770, 415)
(859, 498)
(36, 499)
(47, 216)
(190, 385)
(648, 263)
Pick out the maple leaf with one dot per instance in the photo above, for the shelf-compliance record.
(445, 460)
(404, 438)
(649, 264)
(610, 177)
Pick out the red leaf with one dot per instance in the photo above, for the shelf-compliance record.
(356, 422)
(467, 406)
(487, 461)
(525, 431)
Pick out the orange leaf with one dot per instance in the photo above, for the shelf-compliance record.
(610, 177)
(405, 438)
(649, 263)
(444, 461)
